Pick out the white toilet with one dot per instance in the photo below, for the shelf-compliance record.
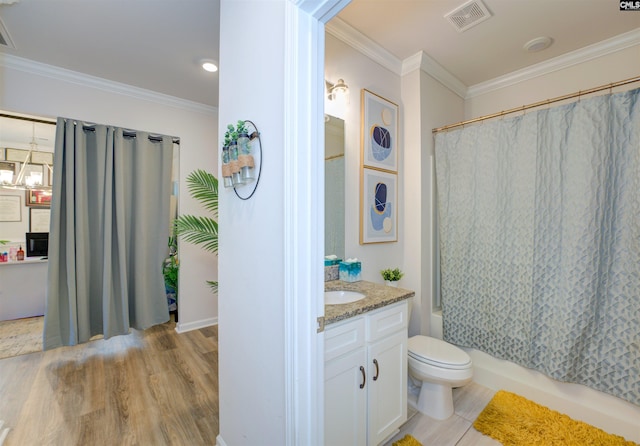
(436, 367)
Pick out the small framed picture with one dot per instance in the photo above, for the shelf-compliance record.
(39, 219)
(38, 157)
(18, 155)
(38, 198)
(378, 207)
(10, 208)
(379, 141)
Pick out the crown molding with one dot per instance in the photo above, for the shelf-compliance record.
(85, 80)
(429, 65)
(354, 38)
(361, 43)
(585, 54)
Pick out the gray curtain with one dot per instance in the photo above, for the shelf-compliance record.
(108, 234)
(540, 240)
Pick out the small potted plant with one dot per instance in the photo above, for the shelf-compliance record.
(170, 269)
(391, 276)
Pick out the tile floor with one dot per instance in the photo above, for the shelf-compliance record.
(468, 402)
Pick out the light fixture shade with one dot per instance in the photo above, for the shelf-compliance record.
(6, 177)
(338, 91)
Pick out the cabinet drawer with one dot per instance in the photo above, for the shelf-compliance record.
(342, 338)
(388, 320)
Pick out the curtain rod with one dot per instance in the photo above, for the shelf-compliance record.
(26, 118)
(539, 104)
(129, 133)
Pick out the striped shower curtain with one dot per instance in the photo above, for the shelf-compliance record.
(540, 240)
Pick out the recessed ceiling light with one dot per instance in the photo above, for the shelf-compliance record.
(209, 65)
(538, 44)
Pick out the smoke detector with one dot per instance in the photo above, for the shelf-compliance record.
(468, 15)
(538, 44)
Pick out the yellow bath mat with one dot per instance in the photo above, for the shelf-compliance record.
(407, 440)
(516, 421)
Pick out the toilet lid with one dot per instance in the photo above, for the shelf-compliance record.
(438, 353)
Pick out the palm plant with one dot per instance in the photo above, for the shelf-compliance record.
(201, 230)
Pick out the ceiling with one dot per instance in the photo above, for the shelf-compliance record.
(155, 44)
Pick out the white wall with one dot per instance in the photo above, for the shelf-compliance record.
(252, 311)
(41, 90)
(423, 104)
(271, 279)
(428, 104)
(358, 72)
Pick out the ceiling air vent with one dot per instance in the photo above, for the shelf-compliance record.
(468, 15)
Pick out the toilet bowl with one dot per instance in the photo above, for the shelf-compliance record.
(437, 367)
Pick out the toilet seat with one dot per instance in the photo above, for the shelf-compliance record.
(438, 353)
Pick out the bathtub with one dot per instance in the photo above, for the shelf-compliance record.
(599, 409)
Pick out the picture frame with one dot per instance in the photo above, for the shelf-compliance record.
(39, 198)
(378, 206)
(39, 157)
(379, 132)
(10, 208)
(18, 155)
(39, 219)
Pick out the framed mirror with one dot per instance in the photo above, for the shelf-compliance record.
(334, 184)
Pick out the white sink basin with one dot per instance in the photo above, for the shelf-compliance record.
(341, 297)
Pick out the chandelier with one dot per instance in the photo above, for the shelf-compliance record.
(26, 178)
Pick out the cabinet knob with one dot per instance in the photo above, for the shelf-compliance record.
(364, 377)
(375, 362)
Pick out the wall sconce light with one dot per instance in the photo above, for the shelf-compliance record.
(338, 91)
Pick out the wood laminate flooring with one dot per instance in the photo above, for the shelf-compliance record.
(156, 387)
(152, 387)
(21, 336)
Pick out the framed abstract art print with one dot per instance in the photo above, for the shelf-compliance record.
(378, 207)
(379, 142)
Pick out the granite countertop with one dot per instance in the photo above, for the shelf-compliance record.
(377, 295)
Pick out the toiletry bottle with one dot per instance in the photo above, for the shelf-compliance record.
(20, 253)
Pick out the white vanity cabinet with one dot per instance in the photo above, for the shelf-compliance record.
(366, 377)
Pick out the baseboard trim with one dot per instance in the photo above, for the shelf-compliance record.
(220, 441)
(182, 327)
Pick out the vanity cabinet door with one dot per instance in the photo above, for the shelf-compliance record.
(365, 372)
(387, 378)
(345, 400)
